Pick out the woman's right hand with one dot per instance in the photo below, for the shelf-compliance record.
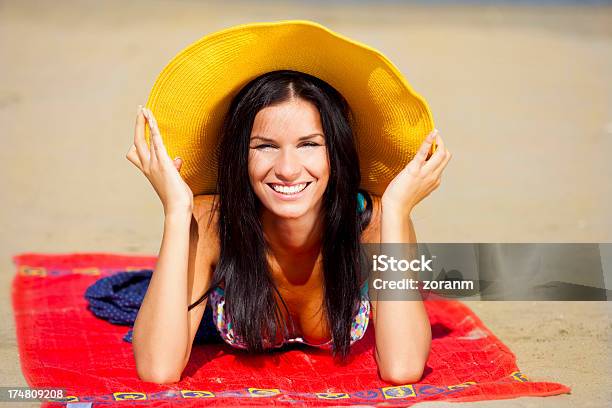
(156, 165)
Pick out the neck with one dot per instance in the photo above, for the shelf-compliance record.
(295, 243)
(292, 237)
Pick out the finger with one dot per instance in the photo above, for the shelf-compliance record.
(421, 155)
(154, 127)
(443, 165)
(139, 139)
(132, 156)
(157, 141)
(177, 163)
(439, 143)
(436, 159)
(152, 154)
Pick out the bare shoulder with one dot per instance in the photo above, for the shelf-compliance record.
(203, 207)
(206, 217)
(371, 234)
(203, 204)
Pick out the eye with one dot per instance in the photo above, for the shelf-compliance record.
(263, 146)
(311, 144)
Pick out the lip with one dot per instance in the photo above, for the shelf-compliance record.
(292, 197)
(290, 184)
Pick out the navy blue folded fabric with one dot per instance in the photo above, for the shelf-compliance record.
(117, 299)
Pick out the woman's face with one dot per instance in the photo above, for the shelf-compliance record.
(288, 161)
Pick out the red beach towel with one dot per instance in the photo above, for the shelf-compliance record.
(63, 345)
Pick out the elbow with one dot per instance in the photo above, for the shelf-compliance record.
(401, 375)
(408, 369)
(159, 376)
(154, 372)
(401, 371)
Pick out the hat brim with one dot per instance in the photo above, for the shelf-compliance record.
(192, 94)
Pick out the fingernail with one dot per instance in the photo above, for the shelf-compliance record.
(139, 109)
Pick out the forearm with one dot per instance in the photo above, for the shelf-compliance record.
(161, 327)
(403, 332)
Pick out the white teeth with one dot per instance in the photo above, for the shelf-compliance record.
(289, 190)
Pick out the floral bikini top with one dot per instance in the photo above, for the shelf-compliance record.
(224, 327)
(217, 299)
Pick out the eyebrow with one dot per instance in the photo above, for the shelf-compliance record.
(265, 139)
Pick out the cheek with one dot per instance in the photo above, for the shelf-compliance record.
(318, 164)
(256, 166)
(254, 170)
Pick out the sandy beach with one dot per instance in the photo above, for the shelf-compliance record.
(522, 96)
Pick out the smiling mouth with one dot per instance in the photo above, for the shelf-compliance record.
(289, 190)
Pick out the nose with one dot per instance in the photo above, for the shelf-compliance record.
(287, 166)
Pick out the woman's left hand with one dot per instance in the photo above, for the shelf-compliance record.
(419, 178)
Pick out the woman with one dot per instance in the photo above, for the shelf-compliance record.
(278, 255)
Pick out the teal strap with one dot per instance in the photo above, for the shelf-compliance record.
(364, 288)
(361, 202)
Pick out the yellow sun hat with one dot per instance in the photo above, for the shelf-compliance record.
(192, 95)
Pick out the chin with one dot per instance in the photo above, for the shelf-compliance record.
(292, 215)
(288, 211)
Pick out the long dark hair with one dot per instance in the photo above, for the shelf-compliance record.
(243, 268)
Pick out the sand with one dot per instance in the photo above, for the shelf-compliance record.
(521, 94)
